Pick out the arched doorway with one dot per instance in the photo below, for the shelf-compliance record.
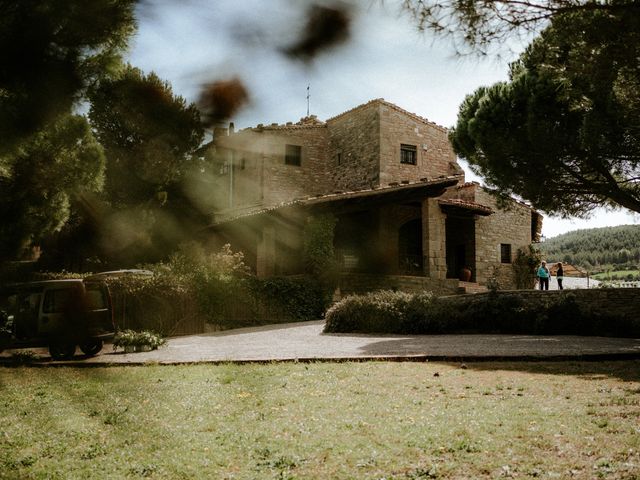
(410, 259)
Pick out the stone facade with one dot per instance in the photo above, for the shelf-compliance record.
(434, 156)
(377, 148)
(503, 232)
(353, 161)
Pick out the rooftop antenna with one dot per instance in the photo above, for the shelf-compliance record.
(308, 96)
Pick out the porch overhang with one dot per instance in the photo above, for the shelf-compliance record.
(464, 207)
(341, 202)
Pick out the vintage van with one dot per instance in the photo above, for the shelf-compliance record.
(59, 314)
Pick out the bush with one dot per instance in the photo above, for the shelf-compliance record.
(383, 311)
(494, 313)
(194, 287)
(298, 298)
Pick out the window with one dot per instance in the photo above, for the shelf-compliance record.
(293, 155)
(96, 298)
(408, 154)
(505, 253)
(339, 158)
(55, 301)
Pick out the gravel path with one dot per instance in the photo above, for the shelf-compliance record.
(305, 341)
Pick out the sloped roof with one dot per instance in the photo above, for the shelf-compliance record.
(466, 206)
(385, 194)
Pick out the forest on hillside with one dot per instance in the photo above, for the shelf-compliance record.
(597, 249)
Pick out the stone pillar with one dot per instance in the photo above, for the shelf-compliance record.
(434, 239)
(266, 253)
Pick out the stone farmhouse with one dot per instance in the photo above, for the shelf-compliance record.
(406, 218)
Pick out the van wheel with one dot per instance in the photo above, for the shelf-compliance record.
(91, 347)
(62, 350)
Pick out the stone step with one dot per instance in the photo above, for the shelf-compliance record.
(471, 287)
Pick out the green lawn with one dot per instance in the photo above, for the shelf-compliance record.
(322, 421)
(615, 274)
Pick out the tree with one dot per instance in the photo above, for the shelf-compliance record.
(51, 52)
(148, 135)
(564, 132)
(58, 164)
(478, 25)
(150, 138)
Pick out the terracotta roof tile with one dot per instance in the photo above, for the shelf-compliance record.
(466, 205)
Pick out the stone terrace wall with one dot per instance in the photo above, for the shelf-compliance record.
(362, 283)
(434, 152)
(354, 158)
(623, 302)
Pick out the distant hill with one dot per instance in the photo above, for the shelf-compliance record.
(596, 249)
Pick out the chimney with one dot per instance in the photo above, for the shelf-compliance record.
(232, 128)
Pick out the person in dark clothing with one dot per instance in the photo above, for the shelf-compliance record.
(559, 275)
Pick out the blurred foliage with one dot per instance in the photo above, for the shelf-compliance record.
(52, 52)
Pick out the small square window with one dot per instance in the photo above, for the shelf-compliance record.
(293, 155)
(408, 154)
(505, 253)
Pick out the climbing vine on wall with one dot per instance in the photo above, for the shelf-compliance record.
(524, 266)
(319, 254)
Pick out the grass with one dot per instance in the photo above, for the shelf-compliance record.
(322, 421)
(615, 274)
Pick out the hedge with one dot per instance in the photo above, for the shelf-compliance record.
(424, 313)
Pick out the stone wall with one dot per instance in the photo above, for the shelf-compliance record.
(435, 156)
(260, 174)
(623, 302)
(362, 283)
(353, 161)
(511, 227)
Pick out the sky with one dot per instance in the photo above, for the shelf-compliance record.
(195, 42)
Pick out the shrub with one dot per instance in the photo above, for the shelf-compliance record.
(383, 311)
(298, 298)
(395, 312)
(194, 287)
(157, 303)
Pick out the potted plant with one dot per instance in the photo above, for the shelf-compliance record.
(132, 341)
(126, 339)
